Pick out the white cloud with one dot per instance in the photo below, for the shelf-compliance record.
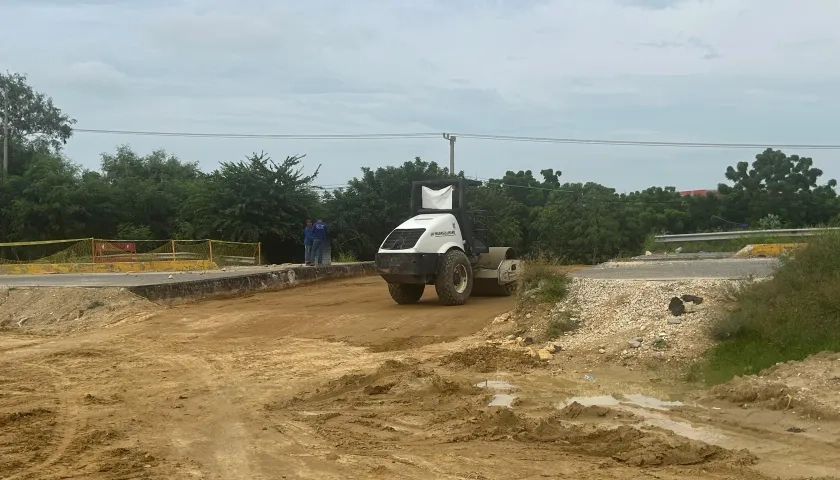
(699, 70)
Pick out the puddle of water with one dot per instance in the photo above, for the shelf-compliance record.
(651, 402)
(641, 405)
(502, 400)
(599, 401)
(495, 385)
(610, 401)
(683, 429)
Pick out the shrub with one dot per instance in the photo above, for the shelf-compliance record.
(559, 324)
(345, 257)
(789, 317)
(544, 281)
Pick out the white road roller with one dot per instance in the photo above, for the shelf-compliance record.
(444, 245)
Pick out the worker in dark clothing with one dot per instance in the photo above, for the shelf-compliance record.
(307, 242)
(319, 236)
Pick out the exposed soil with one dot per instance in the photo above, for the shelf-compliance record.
(810, 387)
(53, 310)
(333, 380)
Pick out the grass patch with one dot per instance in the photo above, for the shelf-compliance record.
(345, 257)
(544, 282)
(95, 304)
(789, 317)
(731, 245)
(559, 324)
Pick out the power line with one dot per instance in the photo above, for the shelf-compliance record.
(646, 143)
(269, 136)
(476, 136)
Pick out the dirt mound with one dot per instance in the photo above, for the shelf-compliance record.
(754, 390)
(575, 410)
(27, 437)
(626, 444)
(408, 343)
(808, 387)
(644, 448)
(59, 310)
(488, 358)
(394, 378)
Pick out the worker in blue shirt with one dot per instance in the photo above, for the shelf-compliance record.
(307, 243)
(319, 236)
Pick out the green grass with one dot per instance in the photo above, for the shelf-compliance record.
(559, 324)
(343, 257)
(789, 317)
(543, 281)
(732, 245)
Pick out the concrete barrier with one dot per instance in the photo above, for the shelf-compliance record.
(282, 278)
(115, 267)
(770, 250)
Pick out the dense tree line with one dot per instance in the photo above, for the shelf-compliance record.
(46, 196)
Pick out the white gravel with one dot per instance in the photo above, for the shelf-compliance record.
(617, 313)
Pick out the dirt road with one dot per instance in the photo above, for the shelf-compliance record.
(335, 381)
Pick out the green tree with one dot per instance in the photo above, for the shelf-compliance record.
(147, 192)
(253, 200)
(36, 128)
(655, 210)
(47, 202)
(528, 196)
(364, 213)
(786, 186)
(507, 223)
(33, 118)
(583, 223)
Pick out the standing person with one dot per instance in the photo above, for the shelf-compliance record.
(319, 236)
(307, 242)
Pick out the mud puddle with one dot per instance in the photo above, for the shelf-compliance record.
(646, 408)
(499, 399)
(643, 401)
(495, 385)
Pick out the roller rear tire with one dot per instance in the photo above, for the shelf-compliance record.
(406, 293)
(454, 280)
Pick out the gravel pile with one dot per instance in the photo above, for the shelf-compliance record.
(631, 318)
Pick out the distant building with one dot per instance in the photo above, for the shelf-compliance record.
(686, 193)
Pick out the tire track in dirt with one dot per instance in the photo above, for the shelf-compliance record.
(229, 439)
(69, 420)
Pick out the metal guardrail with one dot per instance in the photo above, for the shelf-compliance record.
(127, 257)
(713, 236)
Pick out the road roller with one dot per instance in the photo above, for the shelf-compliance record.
(445, 245)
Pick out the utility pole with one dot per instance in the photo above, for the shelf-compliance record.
(5, 135)
(451, 139)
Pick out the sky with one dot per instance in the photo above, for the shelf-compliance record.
(735, 71)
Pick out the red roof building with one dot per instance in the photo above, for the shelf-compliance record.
(686, 193)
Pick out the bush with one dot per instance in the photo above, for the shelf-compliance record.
(345, 257)
(544, 281)
(789, 317)
(559, 324)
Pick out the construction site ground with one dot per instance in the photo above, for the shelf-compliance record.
(333, 380)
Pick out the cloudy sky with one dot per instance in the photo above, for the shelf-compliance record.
(754, 71)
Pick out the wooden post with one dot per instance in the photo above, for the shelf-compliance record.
(92, 250)
(174, 257)
(259, 253)
(210, 245)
